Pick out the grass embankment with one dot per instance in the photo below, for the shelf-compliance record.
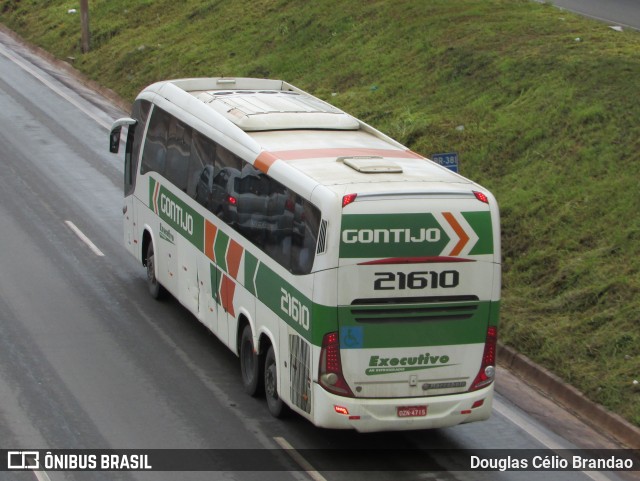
(540, 104)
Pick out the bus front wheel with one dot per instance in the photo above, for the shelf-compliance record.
(155, 288)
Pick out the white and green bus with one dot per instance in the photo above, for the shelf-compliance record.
(358, 282)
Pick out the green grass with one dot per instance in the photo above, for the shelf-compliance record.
(550, 126)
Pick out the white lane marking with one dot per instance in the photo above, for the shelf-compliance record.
(24, 66)
(540, 436)
(298, 458)
(84, 238)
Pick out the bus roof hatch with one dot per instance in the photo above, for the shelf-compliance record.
(254, 110)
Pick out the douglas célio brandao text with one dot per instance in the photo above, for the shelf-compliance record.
(553, 462)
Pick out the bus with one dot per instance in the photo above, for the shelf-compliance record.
(357, 281)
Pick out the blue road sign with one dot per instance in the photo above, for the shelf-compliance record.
(448, 160)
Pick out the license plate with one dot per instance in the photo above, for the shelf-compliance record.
(411, 411)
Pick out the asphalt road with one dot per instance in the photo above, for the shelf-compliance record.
(614, 12)
(89, 361)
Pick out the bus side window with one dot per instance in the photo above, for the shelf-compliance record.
(203, 186)
(155, 147)
(178, 154)
(140, 112)
(225, 158)
(305, 236)
(224, 196)
(217, 191)
(201, 157)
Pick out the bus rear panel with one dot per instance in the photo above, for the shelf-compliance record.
(418, 284)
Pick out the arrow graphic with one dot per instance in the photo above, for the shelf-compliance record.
(463, 237)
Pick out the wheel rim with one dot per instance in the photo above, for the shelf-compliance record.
(270, 381)
(247, 361)
(151, 270)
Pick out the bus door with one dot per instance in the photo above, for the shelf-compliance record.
(135, 135)
(128, 210)
(416, 282)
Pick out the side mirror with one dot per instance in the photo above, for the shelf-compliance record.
(116, 129)
(114, 140)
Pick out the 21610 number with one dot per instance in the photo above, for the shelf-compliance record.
(386, 281)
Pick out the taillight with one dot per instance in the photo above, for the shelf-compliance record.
(487, 372)
(330, 370)
(348, 199)
(481, 196)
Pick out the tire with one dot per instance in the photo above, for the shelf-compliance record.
(155, 288)
(276, 406)
(251, 364)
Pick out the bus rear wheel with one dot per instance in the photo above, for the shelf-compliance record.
(276, 406)
(250, 364)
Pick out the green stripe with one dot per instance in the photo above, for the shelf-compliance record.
(293, 306)
(494, 315)
(480, 222)
(391, 235)
(250, 266)
(152, 187)
(220, 250)
(216, 280)
(175, 212)
(438, 332)
(285, 300)
(395, 235)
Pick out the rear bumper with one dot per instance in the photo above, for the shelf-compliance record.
(368, 415)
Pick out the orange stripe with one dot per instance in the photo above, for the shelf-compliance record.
(227, 290)
(464, 238)
(264, 161)
(210, 232)
(343, 152)
(234, 254)
(155, 197)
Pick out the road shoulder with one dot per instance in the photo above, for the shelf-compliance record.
(559, 406)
